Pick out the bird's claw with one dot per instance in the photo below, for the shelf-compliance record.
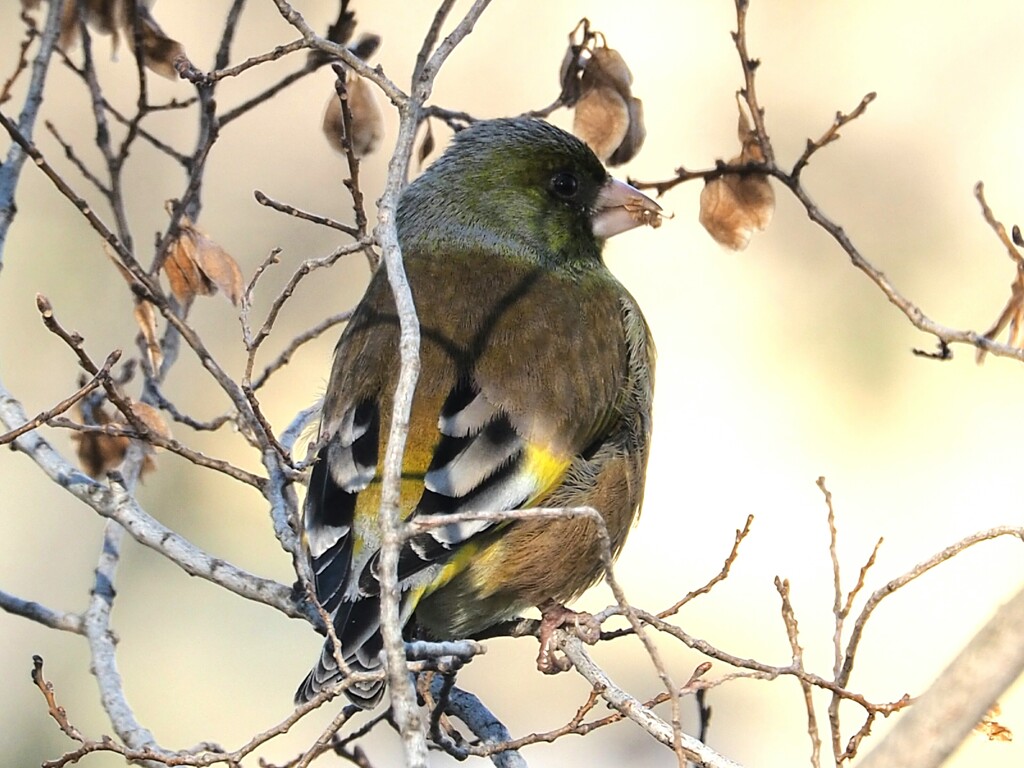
(557, 616)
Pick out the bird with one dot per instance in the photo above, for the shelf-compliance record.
(535, 390)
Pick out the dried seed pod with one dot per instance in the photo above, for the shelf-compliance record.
(734, 206)
(426, 146)
(601, 119)
(606, 67)
(160, 53)
(103, 16)
(366, 45)
(635, 134)
(145, 317)
(367, 118)
(607, 115)
(198, 266)
(98, 453)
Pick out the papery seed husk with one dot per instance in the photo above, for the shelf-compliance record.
(601, 119)
(635, 135)
(606, 67)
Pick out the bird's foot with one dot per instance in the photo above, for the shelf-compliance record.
(556, 616)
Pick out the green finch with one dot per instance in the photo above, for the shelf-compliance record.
(535, 391)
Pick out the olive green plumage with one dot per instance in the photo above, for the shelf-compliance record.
(535, 390)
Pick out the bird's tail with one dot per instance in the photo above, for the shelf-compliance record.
(326, 674)
(357, 626)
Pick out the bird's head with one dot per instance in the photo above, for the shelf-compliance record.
(521, 188)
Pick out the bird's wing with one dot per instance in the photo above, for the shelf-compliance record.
(484, 436)
(478, 462)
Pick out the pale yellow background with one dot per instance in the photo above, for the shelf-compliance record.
(777, 365)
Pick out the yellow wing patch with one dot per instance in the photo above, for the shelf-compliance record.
(547, 466)
(541, 463)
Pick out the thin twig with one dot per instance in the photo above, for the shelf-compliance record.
(169, 444)
(792, 633)
(29, 609)
(66, 403)
(31, 33)
(315, 218)
(308, 335)
(10, 169)
(901, 581)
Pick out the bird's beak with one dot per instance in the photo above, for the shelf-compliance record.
(620, 207)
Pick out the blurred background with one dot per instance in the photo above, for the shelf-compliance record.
(777, 365)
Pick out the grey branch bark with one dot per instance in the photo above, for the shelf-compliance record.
(634, 709)
(10, 170)
(959, 698)
(123, 508)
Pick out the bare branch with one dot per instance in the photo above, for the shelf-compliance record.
(110, 502)
(67, 622)
(101, 644)
(66, 403)
(308, 335)
(291, 210)
(31, 33)
(10, 169)
(633, 709)
(831, 134)
(900, 581)
(792, 632)
(944, 715)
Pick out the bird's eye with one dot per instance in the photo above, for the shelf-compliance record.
(565, 185)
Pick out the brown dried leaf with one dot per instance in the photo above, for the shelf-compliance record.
(333, 125)
(219, 267)
(367, 118)
(601, 119)
(154, 422)
(101, 16)
(145, 316)
(635, 134)
(107, 17)
(99, 453)
(607, 116)
(198, 266)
